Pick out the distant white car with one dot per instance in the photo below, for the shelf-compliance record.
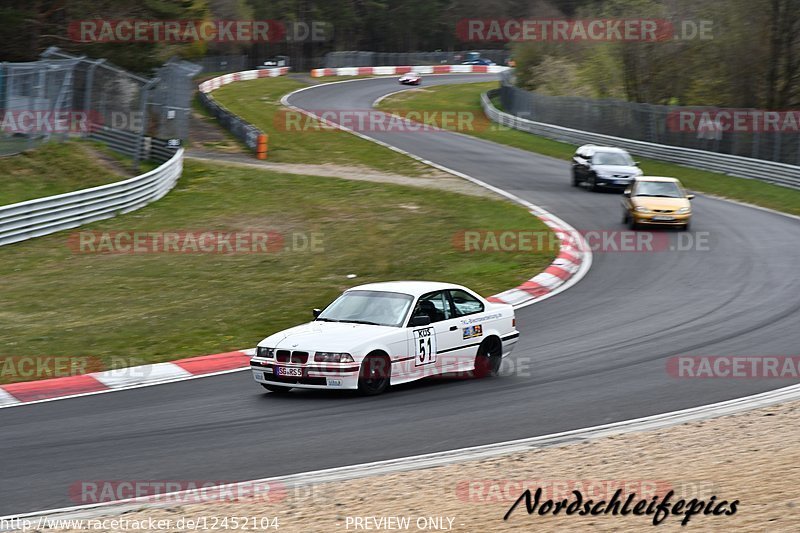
(382, 334)
(410, 78)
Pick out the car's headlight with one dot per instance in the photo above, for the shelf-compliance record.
(267, 353)
(333, 357)
(641, 209)
(683, 210)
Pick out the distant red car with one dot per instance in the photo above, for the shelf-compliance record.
(410, 78)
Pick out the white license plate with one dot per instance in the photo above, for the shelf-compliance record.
(664, 219)
(290, 372)
(622, 182)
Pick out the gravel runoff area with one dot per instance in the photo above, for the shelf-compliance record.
(752, 458)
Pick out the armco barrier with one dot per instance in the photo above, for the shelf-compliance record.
(34, 218)
(240, 128)
(422, 69)
(743, 167)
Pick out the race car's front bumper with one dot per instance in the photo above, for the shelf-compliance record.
(661, 219)
(613, 183)
(314, 376)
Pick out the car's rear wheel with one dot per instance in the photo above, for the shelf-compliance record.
(489, 357)
(276, 388)
(373, 377)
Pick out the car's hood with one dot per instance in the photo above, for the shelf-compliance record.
(650, 202)
(325, 336)
(617, 169)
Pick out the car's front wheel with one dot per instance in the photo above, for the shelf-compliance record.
(575, 180)
(276, 388)
(373, 377)
(489, 357)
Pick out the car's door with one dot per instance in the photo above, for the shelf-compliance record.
(581, 163)
(435, 346)
(468, 312)
(627, 204)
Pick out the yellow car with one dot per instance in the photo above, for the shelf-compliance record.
(656, 201)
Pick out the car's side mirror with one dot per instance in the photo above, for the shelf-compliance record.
(627, 193)
(316, 312)
(690, 196)
(419, 320)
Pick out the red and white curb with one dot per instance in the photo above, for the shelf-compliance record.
(123, 378)
(245, 75)
(568, 263)
(421, 69)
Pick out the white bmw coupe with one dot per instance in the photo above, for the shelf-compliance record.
(381, 334)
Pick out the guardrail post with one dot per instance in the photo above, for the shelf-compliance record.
(143, 113)
(261, 147)
(87, 91)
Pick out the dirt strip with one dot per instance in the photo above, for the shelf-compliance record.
(751, 457)
(435, 179)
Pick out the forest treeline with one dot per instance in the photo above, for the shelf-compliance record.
(750, 58)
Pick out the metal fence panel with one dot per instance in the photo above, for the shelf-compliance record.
(649, 123)
(121, 107)
(33, 89)
(734, 165)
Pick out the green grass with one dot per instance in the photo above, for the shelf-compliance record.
(158, 307)
(299, 140)
(466, 98)
(53, 168)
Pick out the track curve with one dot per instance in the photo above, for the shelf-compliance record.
(595, 353)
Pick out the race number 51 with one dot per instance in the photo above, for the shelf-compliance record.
(425, 342)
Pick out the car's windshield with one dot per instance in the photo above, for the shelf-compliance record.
(612, 158)
(368, 307)
(666, 189)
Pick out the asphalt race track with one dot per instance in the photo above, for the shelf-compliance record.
(593, 354)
